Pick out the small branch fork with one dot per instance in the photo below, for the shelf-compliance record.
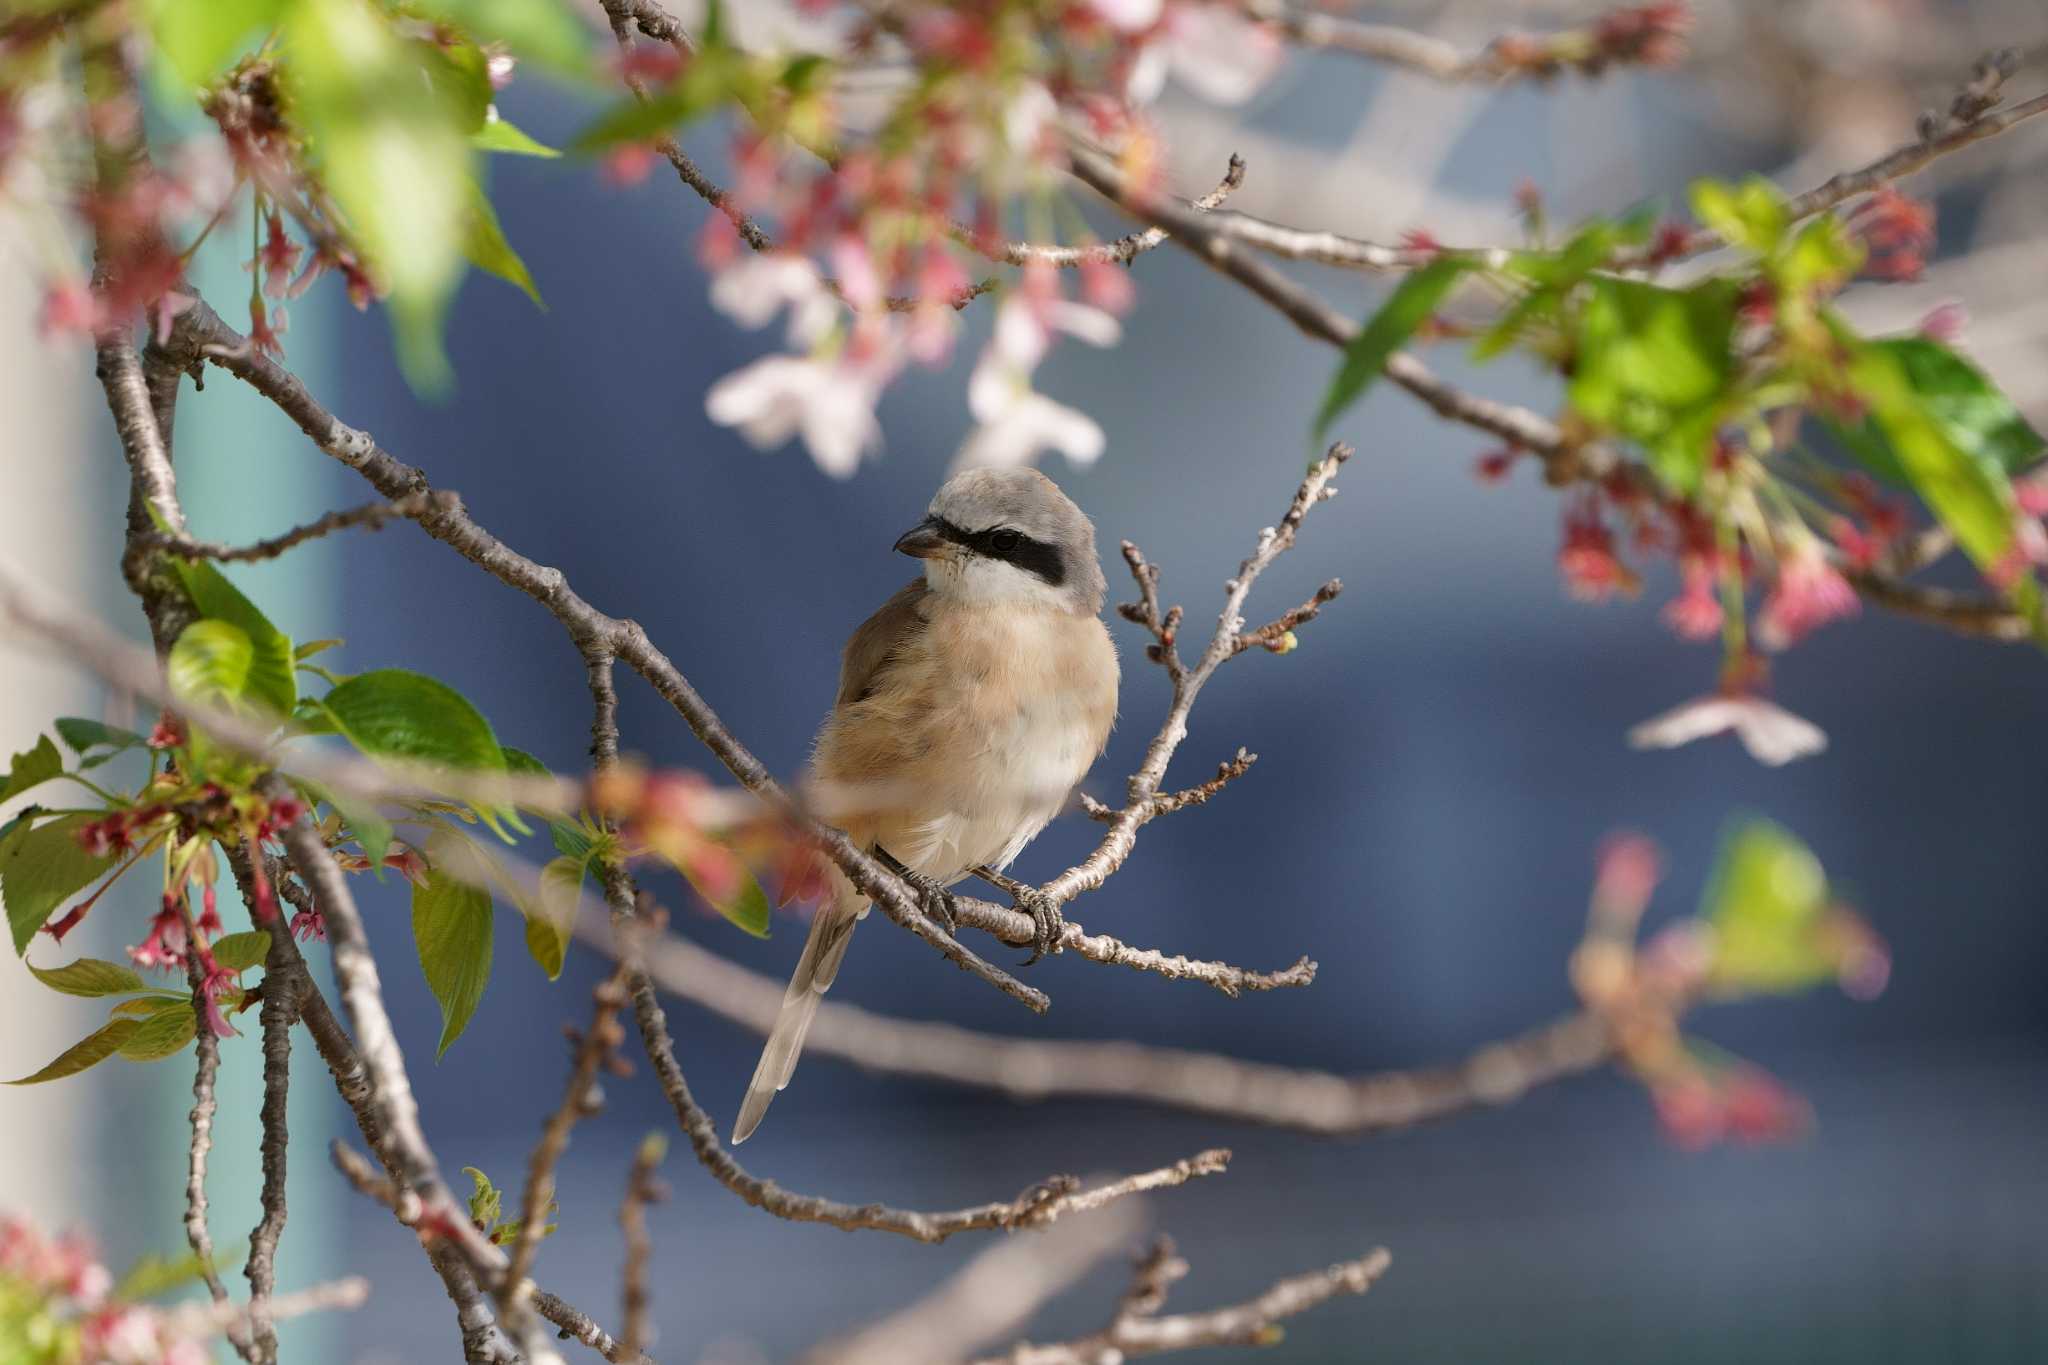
(371, 517)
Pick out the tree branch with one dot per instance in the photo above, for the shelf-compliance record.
(1206, 1083)
(643, 1187)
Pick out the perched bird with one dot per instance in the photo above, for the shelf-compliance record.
(969, 708)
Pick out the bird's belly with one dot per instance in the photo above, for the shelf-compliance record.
(992, 807)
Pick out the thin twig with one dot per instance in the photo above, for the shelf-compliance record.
(371, 517)
(574, 1324)
(991, 1298)
(1140, 807)
(593, 1051)
(204, 1106)
(278, 1009)
(1136, 1329)
(643, 1187)
(1036, 1207)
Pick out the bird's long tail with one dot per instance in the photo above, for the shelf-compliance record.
(831, 931)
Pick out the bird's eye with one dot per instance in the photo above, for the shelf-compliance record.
(1005, 541)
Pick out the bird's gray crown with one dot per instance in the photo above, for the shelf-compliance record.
(1026, 501)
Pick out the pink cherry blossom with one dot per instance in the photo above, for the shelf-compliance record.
(1809, 593)
(1695, 614)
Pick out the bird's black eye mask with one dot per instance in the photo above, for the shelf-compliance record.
(1009, 545)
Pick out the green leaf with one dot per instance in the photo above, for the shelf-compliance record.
(488, 250)
(371, 830)
(40, 868)
(748, 908)
(89, 976)
(210, 662)
(1655, 365)
(84, 736)
(90, 1051)
(1962, 484)
(551, 912)
(500, 134)
(543, 31)
(394, 152)
(393, 712)
(311, 647)
(524, 764)
(161, 1034)
(1751, 214)
(32, 768)
(1407, 309)
(272, 679)
(240, 952)
(486, 1205)
(570, 841)
(1766, 900)
(153, 1274)
(451, 926)
(199, 37)
(1976, 417)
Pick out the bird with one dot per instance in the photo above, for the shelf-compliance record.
(969, 708)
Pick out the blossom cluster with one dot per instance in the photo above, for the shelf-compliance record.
(870, 258)
(57, 1307)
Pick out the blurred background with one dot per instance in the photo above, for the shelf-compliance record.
(1439, 761)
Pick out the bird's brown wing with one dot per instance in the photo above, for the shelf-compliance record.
(873, 647)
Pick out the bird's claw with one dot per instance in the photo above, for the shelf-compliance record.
(1046, 921)
(937, 903)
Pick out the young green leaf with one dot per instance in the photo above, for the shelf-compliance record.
(393, 712)
(394, 152)
(303, 652)
(543, 31)
(32, 768)
(486, 1205)
(1655, 365)
(210, 662)
(451, 926)
(87, 736)
(1766, 900)
(89, 976)
(1407, 309)
(488, 250)
(1968, 490)
(240, 952)
(502, 135)
(1973, 413)
(747, 908)
(272, 680)
(162, 1033)
(153, 1274)
(551, 912)
(199, 37)
(1751, 214)
(90, 1051)
(40, 868)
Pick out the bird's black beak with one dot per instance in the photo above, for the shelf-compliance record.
(926, 540)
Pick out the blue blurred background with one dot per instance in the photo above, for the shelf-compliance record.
(1438, 762)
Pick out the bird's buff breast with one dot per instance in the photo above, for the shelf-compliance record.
(978, 735)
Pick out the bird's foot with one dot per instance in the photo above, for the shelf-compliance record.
(1046, 920)
(932, 896)
(1047, 923)
(938, 904)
